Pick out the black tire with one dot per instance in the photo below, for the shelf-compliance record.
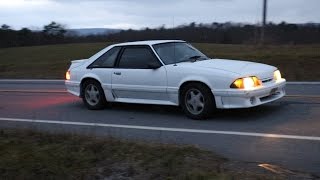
(93, 101)
(193, 111)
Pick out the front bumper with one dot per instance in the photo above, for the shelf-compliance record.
(235, 98)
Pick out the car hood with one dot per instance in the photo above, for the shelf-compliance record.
(242, 68)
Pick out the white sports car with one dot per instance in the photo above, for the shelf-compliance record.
(172, 72)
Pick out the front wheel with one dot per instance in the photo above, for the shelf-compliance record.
(197, 101)
(93, 95)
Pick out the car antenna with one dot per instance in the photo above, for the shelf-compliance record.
(174, 43)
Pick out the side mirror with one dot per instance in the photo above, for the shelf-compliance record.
(153, 65)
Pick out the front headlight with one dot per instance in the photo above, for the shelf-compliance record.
(246, 83)
(277, 75)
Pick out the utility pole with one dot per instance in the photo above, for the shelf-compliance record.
(264, 17)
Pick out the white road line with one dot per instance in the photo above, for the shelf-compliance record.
(33, 91)
(61, 80)
(32, 80)
(65, 91)
(303, 82)
(302, 96)
(236, 133)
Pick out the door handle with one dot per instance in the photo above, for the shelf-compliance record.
(117, 73)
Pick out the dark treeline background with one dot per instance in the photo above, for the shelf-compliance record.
(228, 33)
(222, 33)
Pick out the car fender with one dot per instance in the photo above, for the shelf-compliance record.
(200, 79)
(107, 90)
(213, 84)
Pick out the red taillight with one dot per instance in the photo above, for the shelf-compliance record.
(68, 75)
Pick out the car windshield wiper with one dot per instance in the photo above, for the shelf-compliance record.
(193, 58)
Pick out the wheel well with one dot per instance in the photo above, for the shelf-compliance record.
(183, 85)
(83, 82)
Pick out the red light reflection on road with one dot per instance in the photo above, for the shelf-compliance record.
(47, 101)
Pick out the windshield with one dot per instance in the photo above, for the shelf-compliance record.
(176, 52)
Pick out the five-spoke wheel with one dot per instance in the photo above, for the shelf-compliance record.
(197, 101)
(194, 101)
(93, 95)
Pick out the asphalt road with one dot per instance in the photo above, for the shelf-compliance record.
(297, 115)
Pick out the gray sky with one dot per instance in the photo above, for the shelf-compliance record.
(151, 13)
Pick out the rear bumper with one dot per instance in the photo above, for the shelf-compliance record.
(235, 98)
(73, 87)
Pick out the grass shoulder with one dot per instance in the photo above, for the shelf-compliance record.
(34, 155)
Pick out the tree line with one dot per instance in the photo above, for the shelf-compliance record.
(228, 33)
(222, 33)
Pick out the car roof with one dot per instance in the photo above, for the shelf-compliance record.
(149, 42)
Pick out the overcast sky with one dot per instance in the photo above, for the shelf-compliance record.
(151, 13)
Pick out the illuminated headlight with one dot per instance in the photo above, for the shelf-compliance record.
(277, 75)
(246, 83)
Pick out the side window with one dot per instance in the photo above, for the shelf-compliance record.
(108, 59)
(137, 58)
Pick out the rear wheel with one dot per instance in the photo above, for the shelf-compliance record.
(93, 95)
(197, 101)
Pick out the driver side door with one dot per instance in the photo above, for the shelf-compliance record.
(139, 76)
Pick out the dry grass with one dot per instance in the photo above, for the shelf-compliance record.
(297, 62)
(43, 61)
(34, 155)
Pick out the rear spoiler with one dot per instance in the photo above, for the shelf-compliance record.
(76, 63)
